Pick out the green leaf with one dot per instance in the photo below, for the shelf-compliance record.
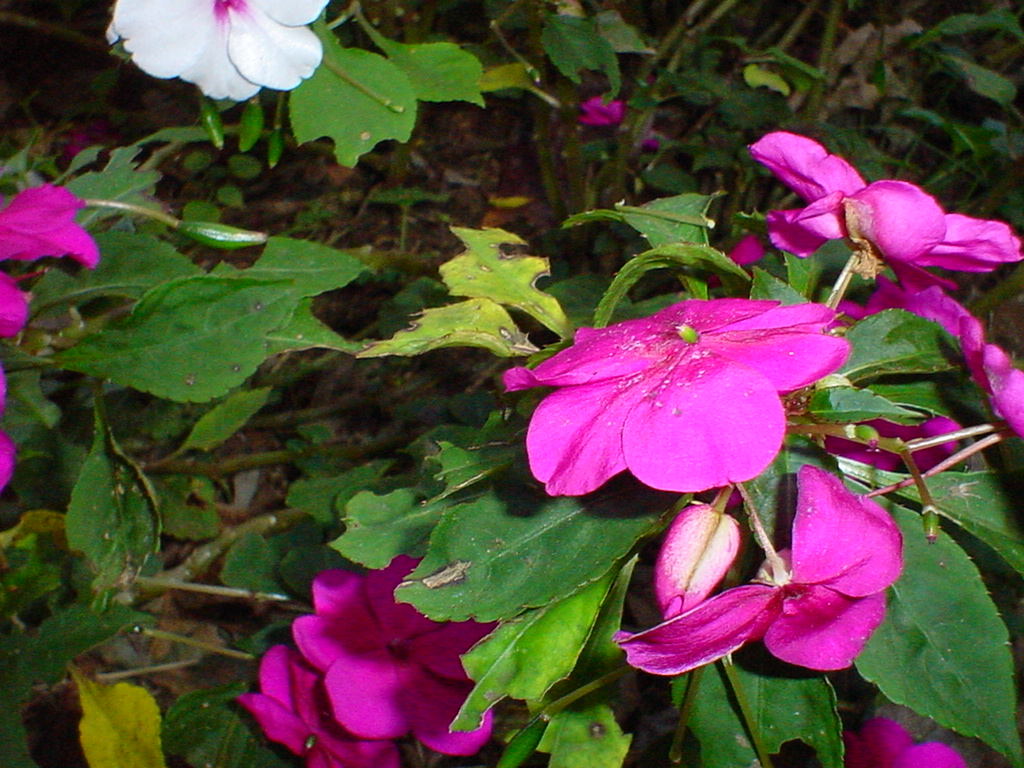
(666, 221)
(802, 274)
(380, 527)
(188, 340)
(768, 287)
(847, 404)
(356, 98)
(118, 181)
(132, 263)
(206, 729)
(110, 518)
(758, 77)
(461, 467)
(311, 267)
(620, 34)
(120, 725)
(495, 556)
(321, 497)
(894, 341)
(982, 80)
(573, 43)
(495, 266)
(809, 714)
(224, 419)
(943, 650)
(586, 737)
(26, 660)
(523, 658)
(188, 508)
(472, 323)
(437, 71)
(251, 564)
(676, 256)
(1000, 19)
(304, 331)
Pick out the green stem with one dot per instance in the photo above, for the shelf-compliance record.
(152, 213)
(780, 573)
(747, 714)
(159, 634)
(675, 751)
(825, 54)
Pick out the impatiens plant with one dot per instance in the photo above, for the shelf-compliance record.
(884, 743)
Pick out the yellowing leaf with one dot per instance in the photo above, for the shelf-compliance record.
(120, 725)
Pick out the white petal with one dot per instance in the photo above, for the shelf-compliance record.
(218, 77)
(291, 13)
(270, 54)
(165, 38)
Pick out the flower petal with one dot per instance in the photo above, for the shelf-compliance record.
(842, 540)
(789, 360)
(284, 680)
(699, 547)
(267, 53)
(340, 600)
(822, 629)
(431, 705)
(365, 693)
(877, 745)
(902, 220)
(805, 166)
(706, 422)
(164, 39)
(439, 650)
(704, 634)
(1007, 383)
(40, 221)
(13, 306)
(929, 755)
(397, 621)
(974, 245)
(291, 13)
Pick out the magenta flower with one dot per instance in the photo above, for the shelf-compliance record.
(747, 251)
(897, 221)
(40, 221)
(292, 709)
(389, 670)
(596, 111)
(816, 608)
(883, 743)
(686, 400)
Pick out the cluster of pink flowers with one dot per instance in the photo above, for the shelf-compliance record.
(884, 743)
(695, 398)
(368, 671)
(37, 222)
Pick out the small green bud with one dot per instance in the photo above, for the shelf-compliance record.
(275, 147)
(930, 521)
(867, 432)
(251, 126)
(220, 235)
(688, 334)
(210, 117)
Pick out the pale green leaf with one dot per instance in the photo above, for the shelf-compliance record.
(224, 419)
(120, 726)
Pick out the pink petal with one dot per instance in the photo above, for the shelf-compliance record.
(595, 111)
(574, 441)
(706, 316)
(7, 454)
(699, 547)
(789, 360)
(842, 540)
(341, 604)
(283, 679)
(440, 649)
(902, 220)
(280, 724)
(930, 755)
(805, 166)
(39, 221)
(747, 251)
(397, 621)
(694, 426)
(822, 629)
(365, 692)
(431, 705)
(805, 230)
(1007, 383)
(974, 245)
(13, 307)
(877, 745)
(713, 629)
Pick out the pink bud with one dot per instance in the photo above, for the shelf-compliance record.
(700, 545)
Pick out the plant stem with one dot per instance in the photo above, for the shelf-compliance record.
(675, 751)
(159, 634)
(828, 43)
(747, 715)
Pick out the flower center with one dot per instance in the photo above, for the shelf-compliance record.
(688, 334)
(223, 8)
(399, 649)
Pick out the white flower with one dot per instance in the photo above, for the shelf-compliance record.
(229, 48)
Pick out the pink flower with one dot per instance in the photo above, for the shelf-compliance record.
(883, 743)
(686, 400)
(897, 221)
(389, 669)
(747, 251)
(40, 221)
(817, 612)
(292, 709)
(596, 111)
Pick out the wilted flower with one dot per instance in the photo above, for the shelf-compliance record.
(686, 400)
(884, 743)
(388, 669)
(229, 48)
(816, 608)
(892, 220)
(292, 709)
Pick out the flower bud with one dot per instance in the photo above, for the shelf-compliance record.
(250, 128)
(221, 236)
(700, 545)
